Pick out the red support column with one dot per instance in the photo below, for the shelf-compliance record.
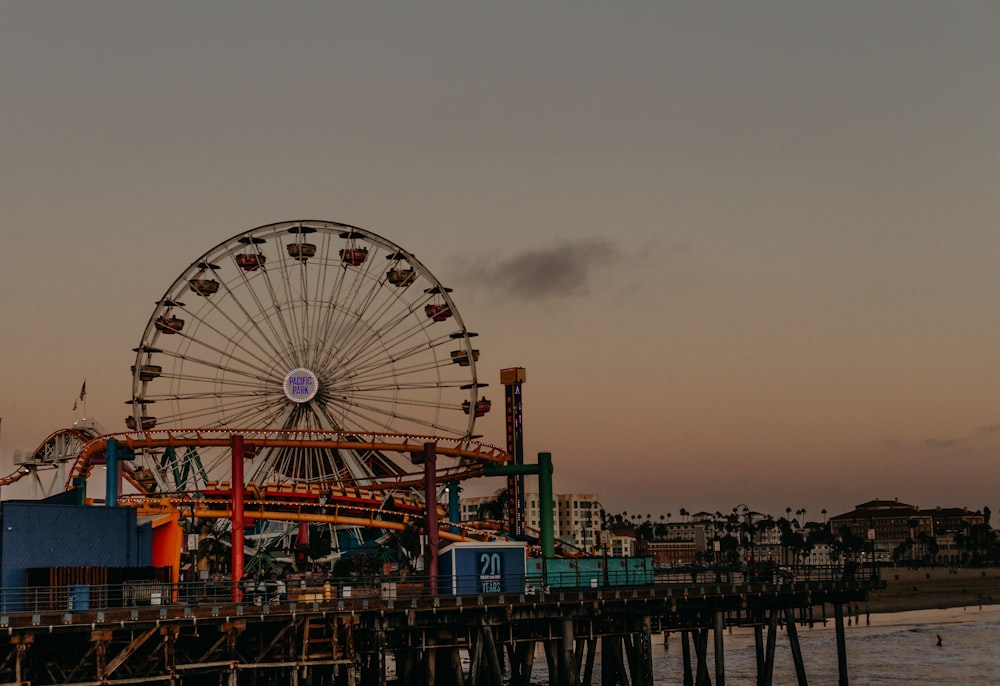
(302, 548)
(431, 525)
(237, 519)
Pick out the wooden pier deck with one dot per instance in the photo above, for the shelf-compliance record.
(452, 640)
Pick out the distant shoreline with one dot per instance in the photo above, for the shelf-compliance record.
(934, 588)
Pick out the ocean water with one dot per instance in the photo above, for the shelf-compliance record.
(895, 648)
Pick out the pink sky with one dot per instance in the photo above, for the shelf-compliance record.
(747, 252)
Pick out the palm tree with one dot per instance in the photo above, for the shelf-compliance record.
(929, 546)
(788, 538)
(848, 544)
(497, 507)
(661, 528)
(405, 546)
(214, 545)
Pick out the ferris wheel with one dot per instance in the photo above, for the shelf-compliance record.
(303, 325)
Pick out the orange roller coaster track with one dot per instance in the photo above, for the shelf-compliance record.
(472, 455)
(319, 514)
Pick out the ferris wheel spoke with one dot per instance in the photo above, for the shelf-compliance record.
(268, 342)
(299, 298)
(200, 371)
(254, 415)
(354, 466)
(263, 315)
(214, 395)
(334, 316)
(216, 461)
(401, 348)
(204, 418)
(384, 414)
(320, 312)
(363, 326)
(401, 370)
(378, 353)
(403, 327)
(209, 415)
(376, 371)
(233, 364)
(232, 381)
(276, 306)
(312, 291)
(353, 310)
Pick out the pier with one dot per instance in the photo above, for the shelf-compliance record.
(401, 634)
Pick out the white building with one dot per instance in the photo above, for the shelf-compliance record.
(577, 516)
(622, 546)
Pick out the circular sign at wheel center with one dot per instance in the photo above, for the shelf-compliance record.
(300, 385)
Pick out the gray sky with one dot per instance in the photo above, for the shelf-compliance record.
(746, 250)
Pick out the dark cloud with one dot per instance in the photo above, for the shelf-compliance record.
(958, 446)
(569, 269)
(943, 443)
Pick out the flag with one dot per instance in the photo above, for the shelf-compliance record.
(83, 394)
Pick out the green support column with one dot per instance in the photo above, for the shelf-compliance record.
(114, 453)
(111, 475)
(546, 509)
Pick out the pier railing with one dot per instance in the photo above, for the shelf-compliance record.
(269, 594)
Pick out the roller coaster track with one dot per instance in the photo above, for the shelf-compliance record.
(61, 445)
(312, 512)
(472, 455)
(316, 502)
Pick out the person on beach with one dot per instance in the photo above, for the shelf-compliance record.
(939, 641)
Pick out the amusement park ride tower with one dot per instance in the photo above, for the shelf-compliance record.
(512, 378)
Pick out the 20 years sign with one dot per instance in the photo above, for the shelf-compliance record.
(490, 573)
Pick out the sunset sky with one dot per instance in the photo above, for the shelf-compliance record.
(748, 252)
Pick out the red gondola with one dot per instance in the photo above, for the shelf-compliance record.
(353, 256)
(169, 325)
(482, 406)
(250, 261)
(437, 312)
(146, 423)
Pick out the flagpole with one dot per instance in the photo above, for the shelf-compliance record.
(82, 398)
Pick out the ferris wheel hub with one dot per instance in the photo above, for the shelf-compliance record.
(300, 385)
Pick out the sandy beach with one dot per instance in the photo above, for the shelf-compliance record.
(935, 588)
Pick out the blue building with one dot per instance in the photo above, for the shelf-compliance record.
(39, 534)
(473, 568)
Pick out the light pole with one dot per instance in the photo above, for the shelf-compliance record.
(605, 539)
